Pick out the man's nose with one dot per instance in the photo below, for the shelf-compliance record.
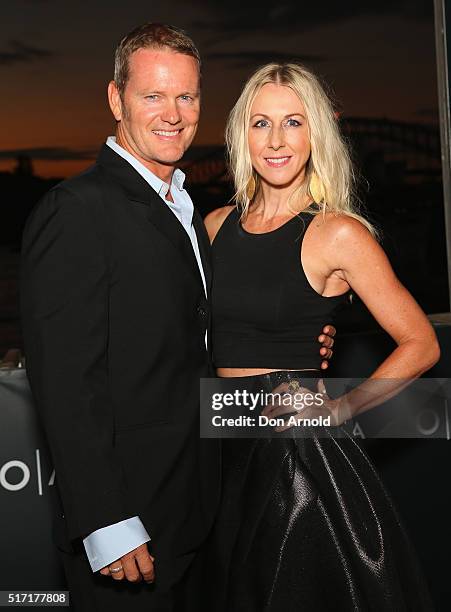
(171, 113)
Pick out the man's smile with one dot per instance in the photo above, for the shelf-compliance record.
(167, 133)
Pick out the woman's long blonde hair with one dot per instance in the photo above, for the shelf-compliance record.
(329, 166)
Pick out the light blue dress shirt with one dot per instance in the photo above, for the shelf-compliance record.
(107, 544)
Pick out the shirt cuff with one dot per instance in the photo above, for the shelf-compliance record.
(109, 543)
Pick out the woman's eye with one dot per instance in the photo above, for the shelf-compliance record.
(261, 123)
(292, 122)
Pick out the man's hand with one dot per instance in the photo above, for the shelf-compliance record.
(327, 341)
(135, 566)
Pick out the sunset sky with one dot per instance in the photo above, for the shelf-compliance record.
(56, 60)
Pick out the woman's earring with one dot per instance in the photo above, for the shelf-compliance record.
(250, 189)
(316, 189)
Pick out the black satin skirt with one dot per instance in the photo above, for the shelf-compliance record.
(305, 525)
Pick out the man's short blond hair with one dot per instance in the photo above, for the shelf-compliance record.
(150, 36)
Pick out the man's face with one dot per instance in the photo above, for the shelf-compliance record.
(159, 111)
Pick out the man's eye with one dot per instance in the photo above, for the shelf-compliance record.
(186, 98)
(151, 97)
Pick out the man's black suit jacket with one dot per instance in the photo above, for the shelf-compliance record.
(114, 319)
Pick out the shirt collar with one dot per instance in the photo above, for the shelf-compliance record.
(162, 188)
(178, 179)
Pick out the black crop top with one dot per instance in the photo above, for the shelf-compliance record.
(265, 313)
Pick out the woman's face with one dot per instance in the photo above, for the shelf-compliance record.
(279, 142)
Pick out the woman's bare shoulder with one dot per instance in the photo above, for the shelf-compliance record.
(214, 220)
(341, 226)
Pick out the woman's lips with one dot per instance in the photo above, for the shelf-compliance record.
(277, 162)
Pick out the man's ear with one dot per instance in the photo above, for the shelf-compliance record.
(115, 101)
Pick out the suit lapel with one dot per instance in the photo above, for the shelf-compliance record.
(167, 223)
(161, 217)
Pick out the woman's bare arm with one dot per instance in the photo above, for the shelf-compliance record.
(362, 263)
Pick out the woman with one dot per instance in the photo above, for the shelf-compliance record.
(305, 524)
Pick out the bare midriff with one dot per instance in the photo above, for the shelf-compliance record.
(237, 372)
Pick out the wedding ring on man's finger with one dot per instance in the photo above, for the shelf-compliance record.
(115, 570)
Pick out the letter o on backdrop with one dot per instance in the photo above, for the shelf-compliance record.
(20, 485)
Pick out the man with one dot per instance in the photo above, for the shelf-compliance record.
(115, 279)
